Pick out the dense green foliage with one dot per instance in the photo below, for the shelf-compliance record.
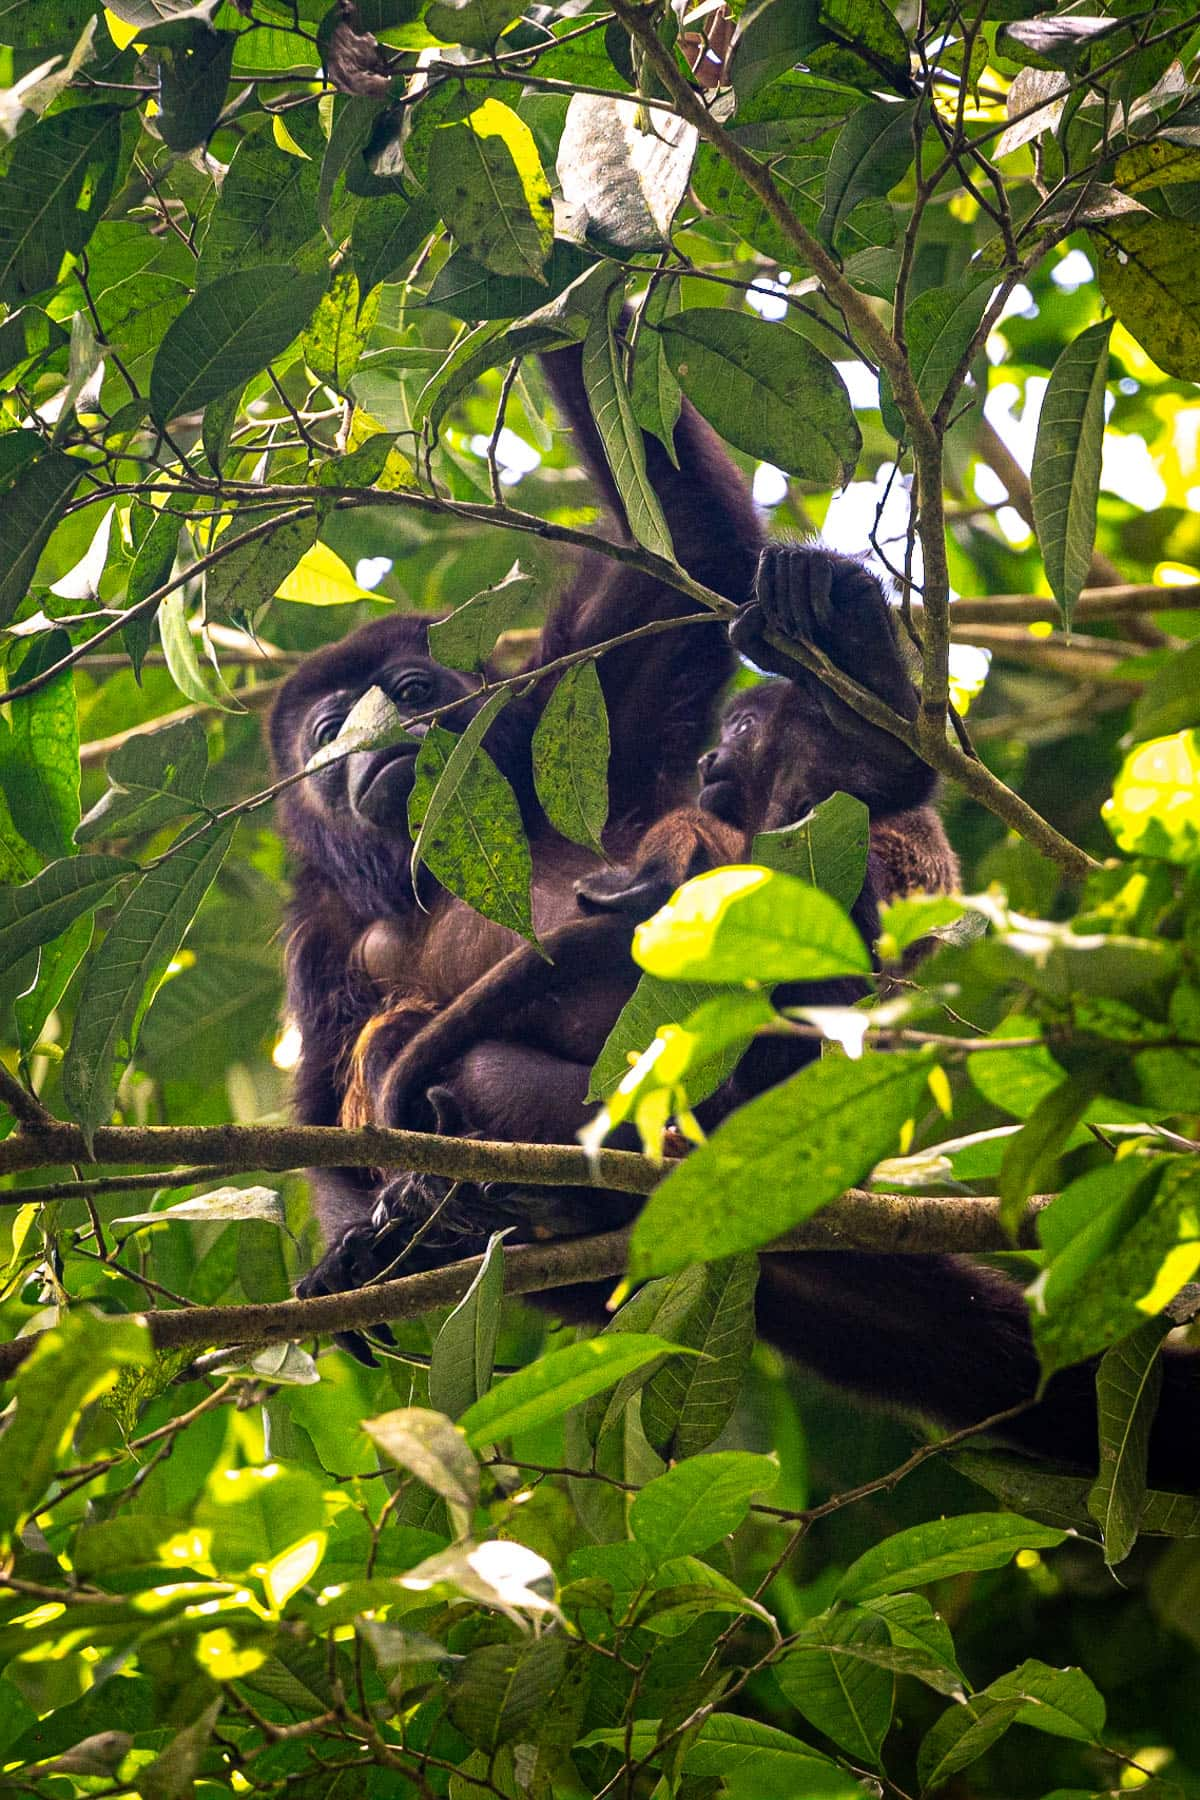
(273, 278)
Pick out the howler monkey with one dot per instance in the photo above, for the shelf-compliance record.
(440, 1019)
(366, 967)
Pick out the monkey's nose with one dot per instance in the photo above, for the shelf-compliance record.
(705, 764)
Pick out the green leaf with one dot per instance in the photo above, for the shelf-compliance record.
(1170, 700)
(749, 924)
(961, 1736)
(466, 639)
(466, 823)
(57, 962)
(867, 46)
(938, 328)
(248, 578)
(34, 24)
(752, 1761)
(903, 1659)
(767, 390)
(466, 290)
(157, 541)
(127, 969)
(265, 212)
(1061, 1702)
(1125, 1262)
(1147, 274)
(471, 357)
(41, 759)
(487, 180)
(913, 1625)
(1031, 1158)
(386, 235)
(839, 1692)
(26, 336)
(624, 451)
(943, 1547)
(204, 688)
(35, 487)
(686, 1510)
(464, 1351)
(338, 331)
(827, 848)
(654, 393)
(476, 23)
(778, 1160)
(503, 1693)
(194, 64)
(570, 757)
(903, 923)
(42, 909)
(227, 332)
(1155, 804)
(873, 152)
(355, 117)
(172, 1774)
(1066, 463)
(155, 776)
(689, 1401)
(684, 1065)
(58, 182)
(431, 1447)
(774, 35)
(1128, 1383)
(652, 1004)
(76, 1361)
(551, 1386)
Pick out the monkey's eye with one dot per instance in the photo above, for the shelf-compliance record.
(742, 725)
(412, 690)
(325, 730)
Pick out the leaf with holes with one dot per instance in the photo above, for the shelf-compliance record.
(570, 757)
(487, 179)
(466, 823)
(1147, 274)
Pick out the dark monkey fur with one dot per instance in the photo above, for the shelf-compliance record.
(439, 1019)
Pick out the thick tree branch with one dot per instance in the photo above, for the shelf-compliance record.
(279, 1147)
(907, 1224)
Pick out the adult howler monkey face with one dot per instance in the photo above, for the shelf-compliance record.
(349, 819)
